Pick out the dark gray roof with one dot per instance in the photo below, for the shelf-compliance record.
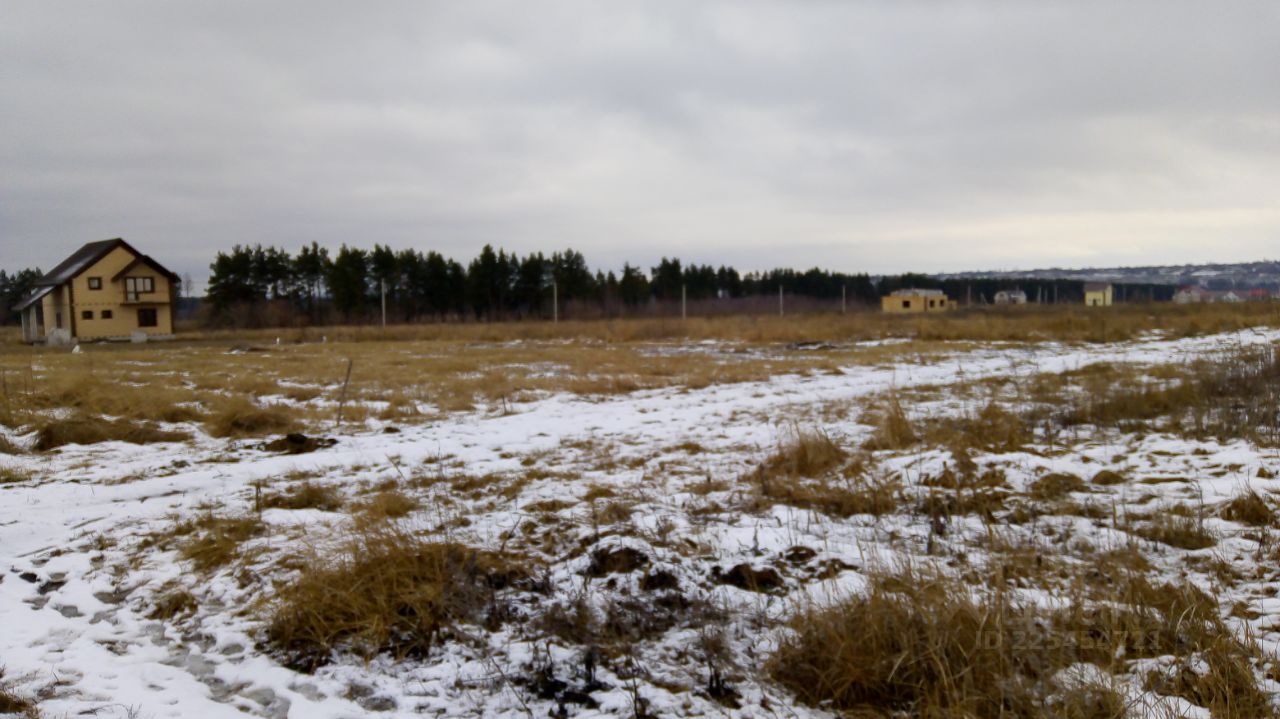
(32, 298)
(81, 259)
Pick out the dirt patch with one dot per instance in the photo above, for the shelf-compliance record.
(744, 576)
(297, 443)
(619, 560)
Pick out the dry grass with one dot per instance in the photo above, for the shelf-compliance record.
(84, 429)
(7, 447)
(213, 542)
(922, 644)
(13, 475)
(172, 602)
(1183, 532)
(1071, 323)
(1055, 486)
(387, 591)
(240, 416)
(834, 496)
(801, 473)
(802, 452)
(11, 703)
(306, 495)
(1249, 508)
(993, 428)
(1234, 395)
(422, 371)
(893, 429)
(386, 505)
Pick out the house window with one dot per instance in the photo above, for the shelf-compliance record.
(139, 285)
(86, 314)
(906, 304)
(57, 320)
(933, 303)
(95, 283)
(147, 317)
(106, 314)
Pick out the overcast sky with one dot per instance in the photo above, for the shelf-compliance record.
(859, 136)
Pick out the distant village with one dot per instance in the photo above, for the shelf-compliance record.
(1096, 294)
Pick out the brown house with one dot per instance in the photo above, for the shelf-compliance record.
(105, 290)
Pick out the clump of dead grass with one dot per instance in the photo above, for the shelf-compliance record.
(305, 495)
(1055, 485)
(212, 541)
(994, 428)
(801, 473)
(1249, 508)
(387, 591)
(385, 505)
(52, 433)
(12, 703)
(803, 452)
(922, 643)
(1178, 530)
(8, 447)
(918, 643)
(13, 475)
(893, 429)
(240, 416)
(172, 602)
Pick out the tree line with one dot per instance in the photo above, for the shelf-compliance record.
(350, 285)
(14, 287)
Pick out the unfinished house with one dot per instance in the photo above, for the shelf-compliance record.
(915, 300)
(106, 290)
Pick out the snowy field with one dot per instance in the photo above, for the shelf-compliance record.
(651, 569)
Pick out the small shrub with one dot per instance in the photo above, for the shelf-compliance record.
(387, 591)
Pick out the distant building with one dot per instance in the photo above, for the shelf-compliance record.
(1192, 294)
(105, 290)
(1011, 297)
(1097, 294)
(914, 300)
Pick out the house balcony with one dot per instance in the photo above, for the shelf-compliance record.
(144, 298)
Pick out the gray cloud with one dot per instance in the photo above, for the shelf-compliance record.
(876, 136)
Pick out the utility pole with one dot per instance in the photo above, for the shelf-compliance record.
(844, 299)
(382, 285)
(555, 302)
(684, 302)
(780, 307)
